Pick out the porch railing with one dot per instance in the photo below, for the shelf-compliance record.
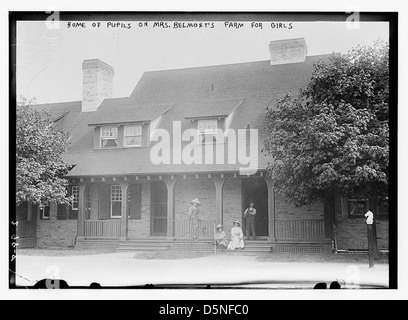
(102, 228)
(183, 228)
(299, 229)
(26, 229)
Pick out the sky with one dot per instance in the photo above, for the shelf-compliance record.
(49, 59)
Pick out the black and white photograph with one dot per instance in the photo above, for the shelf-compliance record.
(191, 150)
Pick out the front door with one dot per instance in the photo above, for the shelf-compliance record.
(158, 206)
(256, 190)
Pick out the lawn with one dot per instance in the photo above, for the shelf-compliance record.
(174, 255)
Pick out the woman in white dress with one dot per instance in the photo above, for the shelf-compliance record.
(237, 237)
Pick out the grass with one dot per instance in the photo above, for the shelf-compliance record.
(173, 255)
(60, 252)
(321, 258)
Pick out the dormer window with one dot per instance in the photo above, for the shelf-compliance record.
(207, 130)
(133, 136)
(109, 137)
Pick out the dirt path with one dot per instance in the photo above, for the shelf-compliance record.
(120, 269)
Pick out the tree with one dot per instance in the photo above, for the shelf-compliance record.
(333, 137)
(39, 166)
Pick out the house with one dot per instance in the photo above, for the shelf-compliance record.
(132, 182)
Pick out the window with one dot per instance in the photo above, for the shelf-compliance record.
(45, 212)
(109, 137)
(133, 136)
(357, 207)
(75, 195)
(116, 201)
(207, 131)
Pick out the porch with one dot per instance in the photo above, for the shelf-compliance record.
(164, 203)
(285, 229)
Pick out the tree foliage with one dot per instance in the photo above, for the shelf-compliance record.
(333, 137)
(39, 166)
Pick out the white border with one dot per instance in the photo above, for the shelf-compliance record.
(213, 5)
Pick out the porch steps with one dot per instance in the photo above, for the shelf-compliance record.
(136, 245)
(251, 246)
(143, 245)
(97, 244)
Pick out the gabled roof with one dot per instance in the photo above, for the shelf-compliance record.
(182, 94)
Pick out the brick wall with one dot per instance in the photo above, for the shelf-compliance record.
(187, 190)
(55, 233)
(286, 210)
(141, 228)
(351, 233)
(204, 190)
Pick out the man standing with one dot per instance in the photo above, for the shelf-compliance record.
(249, 216)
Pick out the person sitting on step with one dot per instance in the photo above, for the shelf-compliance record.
(237, 237)
(221, 238)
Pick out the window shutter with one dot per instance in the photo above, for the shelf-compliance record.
(104, 201)
(135, 205)
(36, 211)
(87, 214)
(71, 213)
(145, 135)
(62, 212)
(121, 132)
(97, 138)
(221, 124)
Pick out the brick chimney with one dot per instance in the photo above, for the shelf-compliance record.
(97, 83)
(288, 51)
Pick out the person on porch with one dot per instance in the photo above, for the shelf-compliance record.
(237, 237)
(249, 216)
(221, 238)
(193, 215)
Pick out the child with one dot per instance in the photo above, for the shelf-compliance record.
(221, 238)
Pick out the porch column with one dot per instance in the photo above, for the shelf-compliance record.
(219, 198)
(271, 210)
(124, 211)
(81, 209)
(170, 207)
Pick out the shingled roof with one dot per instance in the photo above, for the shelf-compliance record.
(213, 108)
(181, 94)
(120, 113)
